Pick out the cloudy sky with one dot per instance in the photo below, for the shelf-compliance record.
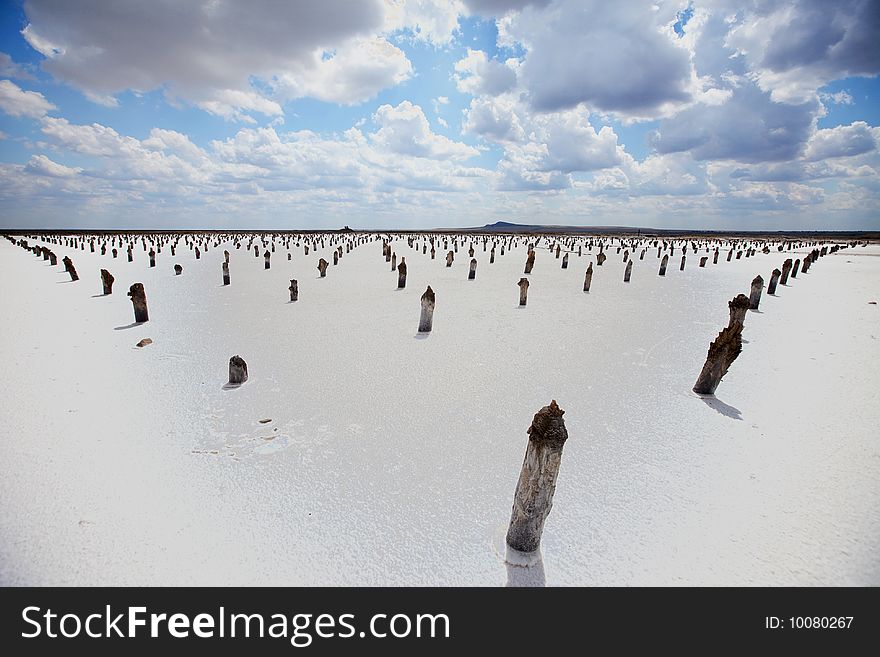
(717, 114)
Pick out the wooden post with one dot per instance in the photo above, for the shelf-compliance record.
(628, 271)
(322, 267)
(53, 259)
(600, 258)
(114, 252)
(663, 264)
(523, 290)
(69, 268)
(703, 261)
(335, 258)
(530, 262)
(294, 289)
(492, 256)
(401, 273)
(107, 281)
(715, 258)
(588, 278)
(130, 254)
(266, 257)
(755, 294)
(393, 261)
(786, 270)
(537, 479)
(797, 266)
(152, 255)
(738, 307)
(198, 254)
(426, 320)
(722, 352)
(774, 279)
(178, 270)
(449, 258)
(565, 261)
(225, 273)
(238, 372)
(683, 260)
(139, 301)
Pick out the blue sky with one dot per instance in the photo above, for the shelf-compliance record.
(389, 113)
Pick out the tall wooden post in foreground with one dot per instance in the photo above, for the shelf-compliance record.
(537, 479)
(294, 289)
(722, 352)
(139, 301)
(426, 321)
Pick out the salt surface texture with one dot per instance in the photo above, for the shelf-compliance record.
(391, 458)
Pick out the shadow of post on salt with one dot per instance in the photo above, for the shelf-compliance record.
(717, 405)
(127, 326)
(524, 569)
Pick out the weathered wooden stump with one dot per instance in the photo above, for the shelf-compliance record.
(450, 257)
(69, 268)
(426, 320)
(683, 260)
(722, 352)
(238, 372)
(774, 279)
(663, 264)
(729, 255)
(393, 261)
(198, 254)
(130, 254)
(492, 256)
(523, 291)
(225, 266)
(472, 274)
(322, 267)
(306, 247)
(267, 259)
(139, 302)
(565, 261)
(628, 271)
(114, 252)
(600, 258)
(294, 289)
(755, 293)
(433, 252)
(588, 278)
(786, 270)
(703, 261)
(530, 262)
(152, 255)
(401, 273)
(335, 258)
(797, 266)
(533, 498)
(107, 281)
(715, 258)
(738, 307)
(178, 270)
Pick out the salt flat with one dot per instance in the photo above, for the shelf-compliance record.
(392, 458)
